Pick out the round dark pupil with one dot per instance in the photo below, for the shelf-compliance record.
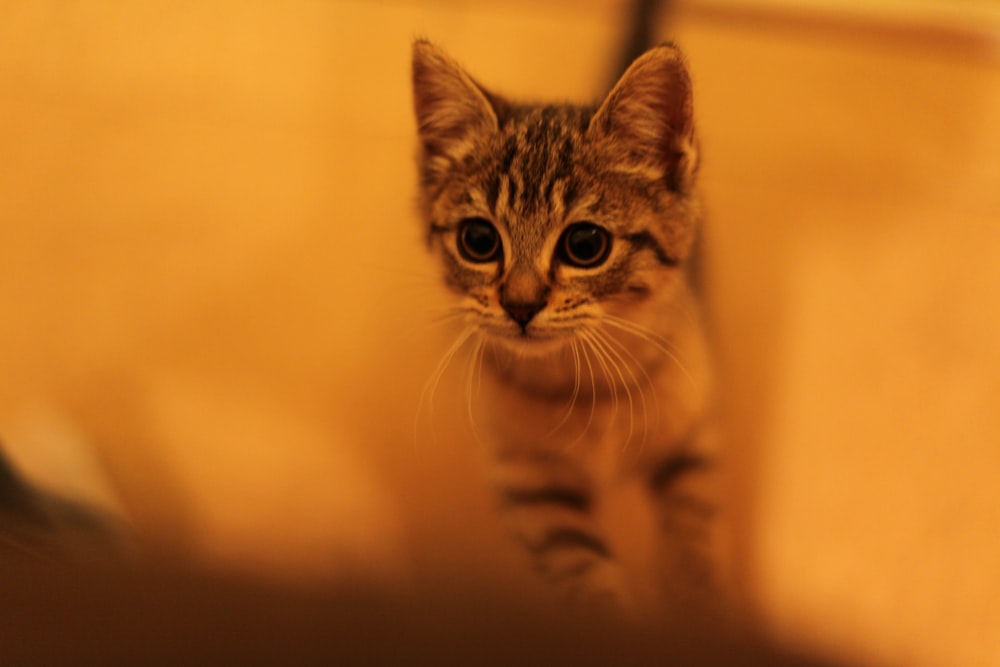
(585, 244)
(480, 239)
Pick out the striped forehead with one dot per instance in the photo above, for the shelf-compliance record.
(531, 181)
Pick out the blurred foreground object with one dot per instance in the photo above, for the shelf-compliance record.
(173, 618)
(39, 526)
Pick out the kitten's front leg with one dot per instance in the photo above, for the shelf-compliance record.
(549, 500)
(686, 487)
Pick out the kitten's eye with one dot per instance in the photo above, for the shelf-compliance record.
(478, 240)
(585, 245)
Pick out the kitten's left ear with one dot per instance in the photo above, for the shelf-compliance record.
(452, 110)
(648, 119)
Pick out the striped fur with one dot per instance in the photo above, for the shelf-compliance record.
(614, 360)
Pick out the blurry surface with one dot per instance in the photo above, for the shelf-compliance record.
(209, 266)
(854, 209)
(253, 623)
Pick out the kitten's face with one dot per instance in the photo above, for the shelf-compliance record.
(550, 219)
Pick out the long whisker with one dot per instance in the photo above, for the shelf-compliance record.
(443, 316)
(610, 353)
(430, 387)
(609, 378)
(474, 361)
(648, 382)
(635, 327)
(450, 312)
(651, 337)
(593, 393)
(576, 390)
(482, 362)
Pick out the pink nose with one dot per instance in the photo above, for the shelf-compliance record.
(522, 313)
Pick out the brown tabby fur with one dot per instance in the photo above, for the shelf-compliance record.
(611, 376)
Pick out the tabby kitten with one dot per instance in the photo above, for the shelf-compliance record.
(568, 235)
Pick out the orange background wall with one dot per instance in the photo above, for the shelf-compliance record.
(211, 273)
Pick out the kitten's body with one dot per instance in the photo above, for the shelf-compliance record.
(568, 234)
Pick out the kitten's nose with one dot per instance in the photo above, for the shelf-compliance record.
(523, 294)
(522, 313)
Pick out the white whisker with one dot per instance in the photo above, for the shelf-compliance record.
(648, 383)
(609, 377)
(593, 395)
(430, 387)
(576, 390)
(482, 362)
(440, 317)
(474, 361)
(609, 352)
(651, 337)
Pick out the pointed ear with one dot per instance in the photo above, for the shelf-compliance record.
(648, 119)
(452, 110)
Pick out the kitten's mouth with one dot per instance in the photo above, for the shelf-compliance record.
(530, 339)
(525, 333)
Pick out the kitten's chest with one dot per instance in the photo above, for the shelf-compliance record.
(616, 417)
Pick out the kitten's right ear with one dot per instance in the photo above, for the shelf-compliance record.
(453, 112)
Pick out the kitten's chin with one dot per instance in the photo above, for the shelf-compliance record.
(531, 345)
